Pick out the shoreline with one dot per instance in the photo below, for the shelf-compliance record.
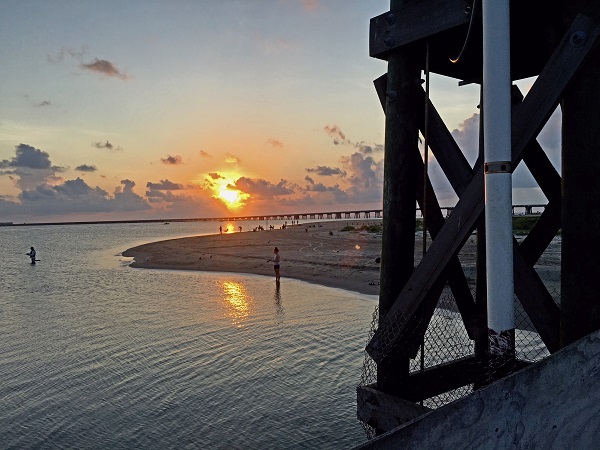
(316, 252)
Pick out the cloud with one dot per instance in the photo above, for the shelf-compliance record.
(31, 167)
(99, 66)
(215, 176)
(327, 171)
(262, 189)
(86, 168)
(66, 51)
(42, 104)
(336, 134)
(125, 199)
(28, 156)
(204, 154)
(339, 138)
(310, 5)
(107, 145)
(105, 68)
(467, 137)
(275, 143)
(231, 159)
(164, 185)
(365, 176)
(172, 160)
(75, 196)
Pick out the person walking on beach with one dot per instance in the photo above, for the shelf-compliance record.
(31, 254)
(276, 260)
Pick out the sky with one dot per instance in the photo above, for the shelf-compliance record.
(152, 109)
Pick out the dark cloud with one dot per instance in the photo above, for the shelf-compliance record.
(320, 187)
(339, 138)
(28, 156)
(86, 168)
(106, 145)
(172, 160)
(215, 176)
(327, 171)
(336, 134)
(164, 185)
(30, 167)
(75, 196)
(105, 68)
(309, 179)
(262, 189)
(100, 66)
(124, 199)
(205, 154)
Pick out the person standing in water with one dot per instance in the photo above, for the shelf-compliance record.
(276, 260)
(31, 254)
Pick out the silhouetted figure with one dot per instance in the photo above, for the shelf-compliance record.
(276, 260)
(31, 254)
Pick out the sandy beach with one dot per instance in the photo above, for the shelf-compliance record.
(316, 252)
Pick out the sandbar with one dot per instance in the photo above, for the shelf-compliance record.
(314, 252)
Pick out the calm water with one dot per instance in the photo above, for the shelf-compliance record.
(94, 354)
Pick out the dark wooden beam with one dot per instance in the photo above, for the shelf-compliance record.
(384, 411)
(580, 303)
(528, 119)
(542, 233)
(452, 160)
(413, 22)
(456, 276)
(399, 190)
(443, 378)
(536, 300)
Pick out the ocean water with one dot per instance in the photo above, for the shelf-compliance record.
(95, 354)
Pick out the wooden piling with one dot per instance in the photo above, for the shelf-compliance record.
(580, 302)
(399, 186)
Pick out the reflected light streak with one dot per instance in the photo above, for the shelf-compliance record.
(238, 302)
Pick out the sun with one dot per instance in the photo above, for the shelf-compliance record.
(230, 196)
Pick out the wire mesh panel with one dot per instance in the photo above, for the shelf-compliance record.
(446, 340)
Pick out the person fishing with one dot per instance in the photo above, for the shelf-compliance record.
(276, 260)
(31, 254)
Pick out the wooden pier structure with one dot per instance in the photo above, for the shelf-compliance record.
(554, 40)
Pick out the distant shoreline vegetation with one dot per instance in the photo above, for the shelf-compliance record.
(522, 225)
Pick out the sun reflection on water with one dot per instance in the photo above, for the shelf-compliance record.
(238, 302)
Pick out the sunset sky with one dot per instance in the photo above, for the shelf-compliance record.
(113, 110)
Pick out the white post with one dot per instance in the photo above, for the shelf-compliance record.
(498, 178)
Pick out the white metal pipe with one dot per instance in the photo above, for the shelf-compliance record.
(497, 156)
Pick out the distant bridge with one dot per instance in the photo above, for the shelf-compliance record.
(357, 214)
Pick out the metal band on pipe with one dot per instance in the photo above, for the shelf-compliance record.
(497, 167)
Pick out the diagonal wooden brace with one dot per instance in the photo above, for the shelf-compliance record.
(528, 119)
